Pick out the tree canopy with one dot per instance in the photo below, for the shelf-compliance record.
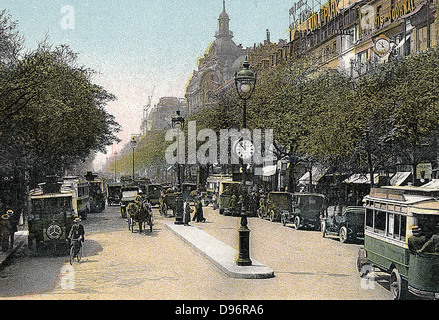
(52, 115)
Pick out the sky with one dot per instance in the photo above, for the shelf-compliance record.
(137, 45)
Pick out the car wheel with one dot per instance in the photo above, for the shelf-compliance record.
(343, 233)
(296, 222)
(396, 285)
(283, 219)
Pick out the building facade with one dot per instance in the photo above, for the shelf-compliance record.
(353, 36)
(161, 114)
(216, 68)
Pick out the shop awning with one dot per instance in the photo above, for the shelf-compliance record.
(399, 178)
(433, 184)
(360, 178)
(268, 171)
(317, 174)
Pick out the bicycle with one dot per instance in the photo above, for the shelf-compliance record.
(75, 250)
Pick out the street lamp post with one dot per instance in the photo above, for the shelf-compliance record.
(178, 124)
(133, 145)
(245, 81)
(115, 164)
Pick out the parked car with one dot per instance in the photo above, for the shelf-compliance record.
(276, 205)
(307, 208)
(348, 225)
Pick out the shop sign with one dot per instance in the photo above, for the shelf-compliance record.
(401, 8)
(327, 12)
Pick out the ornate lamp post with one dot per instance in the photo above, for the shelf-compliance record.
(133, 145)
(178, 124)
(245, 81)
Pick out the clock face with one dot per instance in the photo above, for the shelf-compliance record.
(382, 46)
(244, 149)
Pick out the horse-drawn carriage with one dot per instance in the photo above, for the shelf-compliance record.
(140, 211)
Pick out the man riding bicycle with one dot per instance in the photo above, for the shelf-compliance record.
(76, 234)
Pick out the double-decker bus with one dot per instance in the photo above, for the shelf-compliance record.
(80, 190)
(50, 217)
(391, 215)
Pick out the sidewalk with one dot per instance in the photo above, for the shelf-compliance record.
(19, 240)
(220, 254)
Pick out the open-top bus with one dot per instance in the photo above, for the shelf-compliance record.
(391, 214)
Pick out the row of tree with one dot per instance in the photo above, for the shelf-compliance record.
(52, 115)
(380, 122)
(385, 121)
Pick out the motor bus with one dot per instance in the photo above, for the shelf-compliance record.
(97, 196)
(50, 217)
(212, 188)
(391, 214)
(81, 194)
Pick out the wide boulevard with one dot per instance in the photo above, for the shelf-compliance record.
(158, 265)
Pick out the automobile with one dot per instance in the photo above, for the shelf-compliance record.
(129, 194)
(153, 193)
(307, 208)
(348, 225)
(114, 193)
(277, 205)
(227, 190)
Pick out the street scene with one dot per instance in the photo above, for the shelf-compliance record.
(157, 265)
(219, 151)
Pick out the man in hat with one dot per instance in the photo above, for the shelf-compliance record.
(432, 245)
(77, 231)
(417, 240)
(4, 232)
(13, 226)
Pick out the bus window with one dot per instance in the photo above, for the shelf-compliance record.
(391, 225)
(396, 226)
(380, 221)
(369, 218)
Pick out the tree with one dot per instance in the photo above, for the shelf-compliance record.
(52, 115)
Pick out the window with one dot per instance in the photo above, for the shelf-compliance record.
(380, 221)
(369, 218)
(403, 227)
(396, 226)
(391, 224)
